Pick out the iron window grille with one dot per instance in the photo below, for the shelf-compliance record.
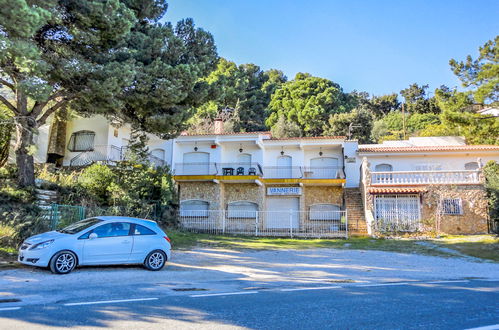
(452, 206)
(81, 141)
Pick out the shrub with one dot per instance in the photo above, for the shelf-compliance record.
(491, 172)
(96, 179)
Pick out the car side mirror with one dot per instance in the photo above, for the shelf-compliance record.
(92, 236)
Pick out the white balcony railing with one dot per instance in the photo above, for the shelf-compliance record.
(425, 177)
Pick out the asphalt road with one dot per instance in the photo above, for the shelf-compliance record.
(444, 304)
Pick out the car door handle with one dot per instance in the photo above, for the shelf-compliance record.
(125, 242)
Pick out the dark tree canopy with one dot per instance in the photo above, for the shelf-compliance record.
(308, 102)
(416, 100)
(244, 90)
(108, 57)
(481, 74)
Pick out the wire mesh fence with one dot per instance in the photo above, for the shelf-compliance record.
(266, 223)
(327, 224)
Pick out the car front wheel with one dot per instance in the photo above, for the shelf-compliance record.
(63, 262)
(155, 260)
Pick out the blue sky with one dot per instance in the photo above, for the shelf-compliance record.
(375, 46)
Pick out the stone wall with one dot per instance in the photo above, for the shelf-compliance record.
(322, 195)
(206, 191)
(474, 219)
(244, 192)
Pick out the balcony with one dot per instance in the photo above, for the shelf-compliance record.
(99, 153)
(195, 169)
(109, 154)
(238, 172)
(402, 178)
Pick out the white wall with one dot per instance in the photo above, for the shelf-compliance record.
(454, 161)
(230, 151)
(97, 124)
(352, 165)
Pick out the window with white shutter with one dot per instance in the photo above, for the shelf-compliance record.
(247, 210)
(194, 208)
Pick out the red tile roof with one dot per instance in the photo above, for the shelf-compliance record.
(392, 190)
(312, 138)
(237, 133)
(430, 148)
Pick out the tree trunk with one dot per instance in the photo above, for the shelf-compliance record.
(24, 159)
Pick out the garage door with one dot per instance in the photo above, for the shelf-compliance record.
(279, 212)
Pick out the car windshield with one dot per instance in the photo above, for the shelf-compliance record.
(79, 226)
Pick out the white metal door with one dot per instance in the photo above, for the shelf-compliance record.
(196, 163)
(323, 168)
(398, 212)
(284, 167)
(244, 162)
(280, 210)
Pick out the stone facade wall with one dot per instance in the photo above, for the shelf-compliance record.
(474, 219)
(206, 191)
(244, 192)
(322, 195)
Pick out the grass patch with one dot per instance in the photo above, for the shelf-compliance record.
(479, 246)
(186, 240)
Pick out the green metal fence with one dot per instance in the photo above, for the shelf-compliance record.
(63, 215)
(60, 216)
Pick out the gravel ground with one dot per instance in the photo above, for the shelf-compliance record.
(270, 267)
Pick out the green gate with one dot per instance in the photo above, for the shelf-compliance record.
(64, 215)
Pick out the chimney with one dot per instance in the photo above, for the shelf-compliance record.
(219, 126)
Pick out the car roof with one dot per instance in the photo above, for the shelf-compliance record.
(127, 219)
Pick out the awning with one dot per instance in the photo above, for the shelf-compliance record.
(393, 190)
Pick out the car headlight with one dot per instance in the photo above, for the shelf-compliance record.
(42, 245)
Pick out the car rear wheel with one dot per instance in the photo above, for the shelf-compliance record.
(63, 262)
(155, 260)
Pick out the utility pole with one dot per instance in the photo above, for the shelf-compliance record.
(350, 129)
(403, 120)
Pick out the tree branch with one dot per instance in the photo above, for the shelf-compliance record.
(8, 84)
(50, 111)
(9, 105)
(38, 107)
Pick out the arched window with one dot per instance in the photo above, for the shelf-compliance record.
(383, 177)
(325, 212)
(242, 209)
(194, 208)
(81, 141)
(383, 168)
(471, 166)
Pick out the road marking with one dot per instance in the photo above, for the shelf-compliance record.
(456, 281)
(10, 308)
(487, 327)
(383, 284)
(312, 288)
(109, 301)
(221, 294)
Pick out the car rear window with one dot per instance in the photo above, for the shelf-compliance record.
(141, 230)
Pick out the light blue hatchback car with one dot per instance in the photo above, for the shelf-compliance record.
(106, 240)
